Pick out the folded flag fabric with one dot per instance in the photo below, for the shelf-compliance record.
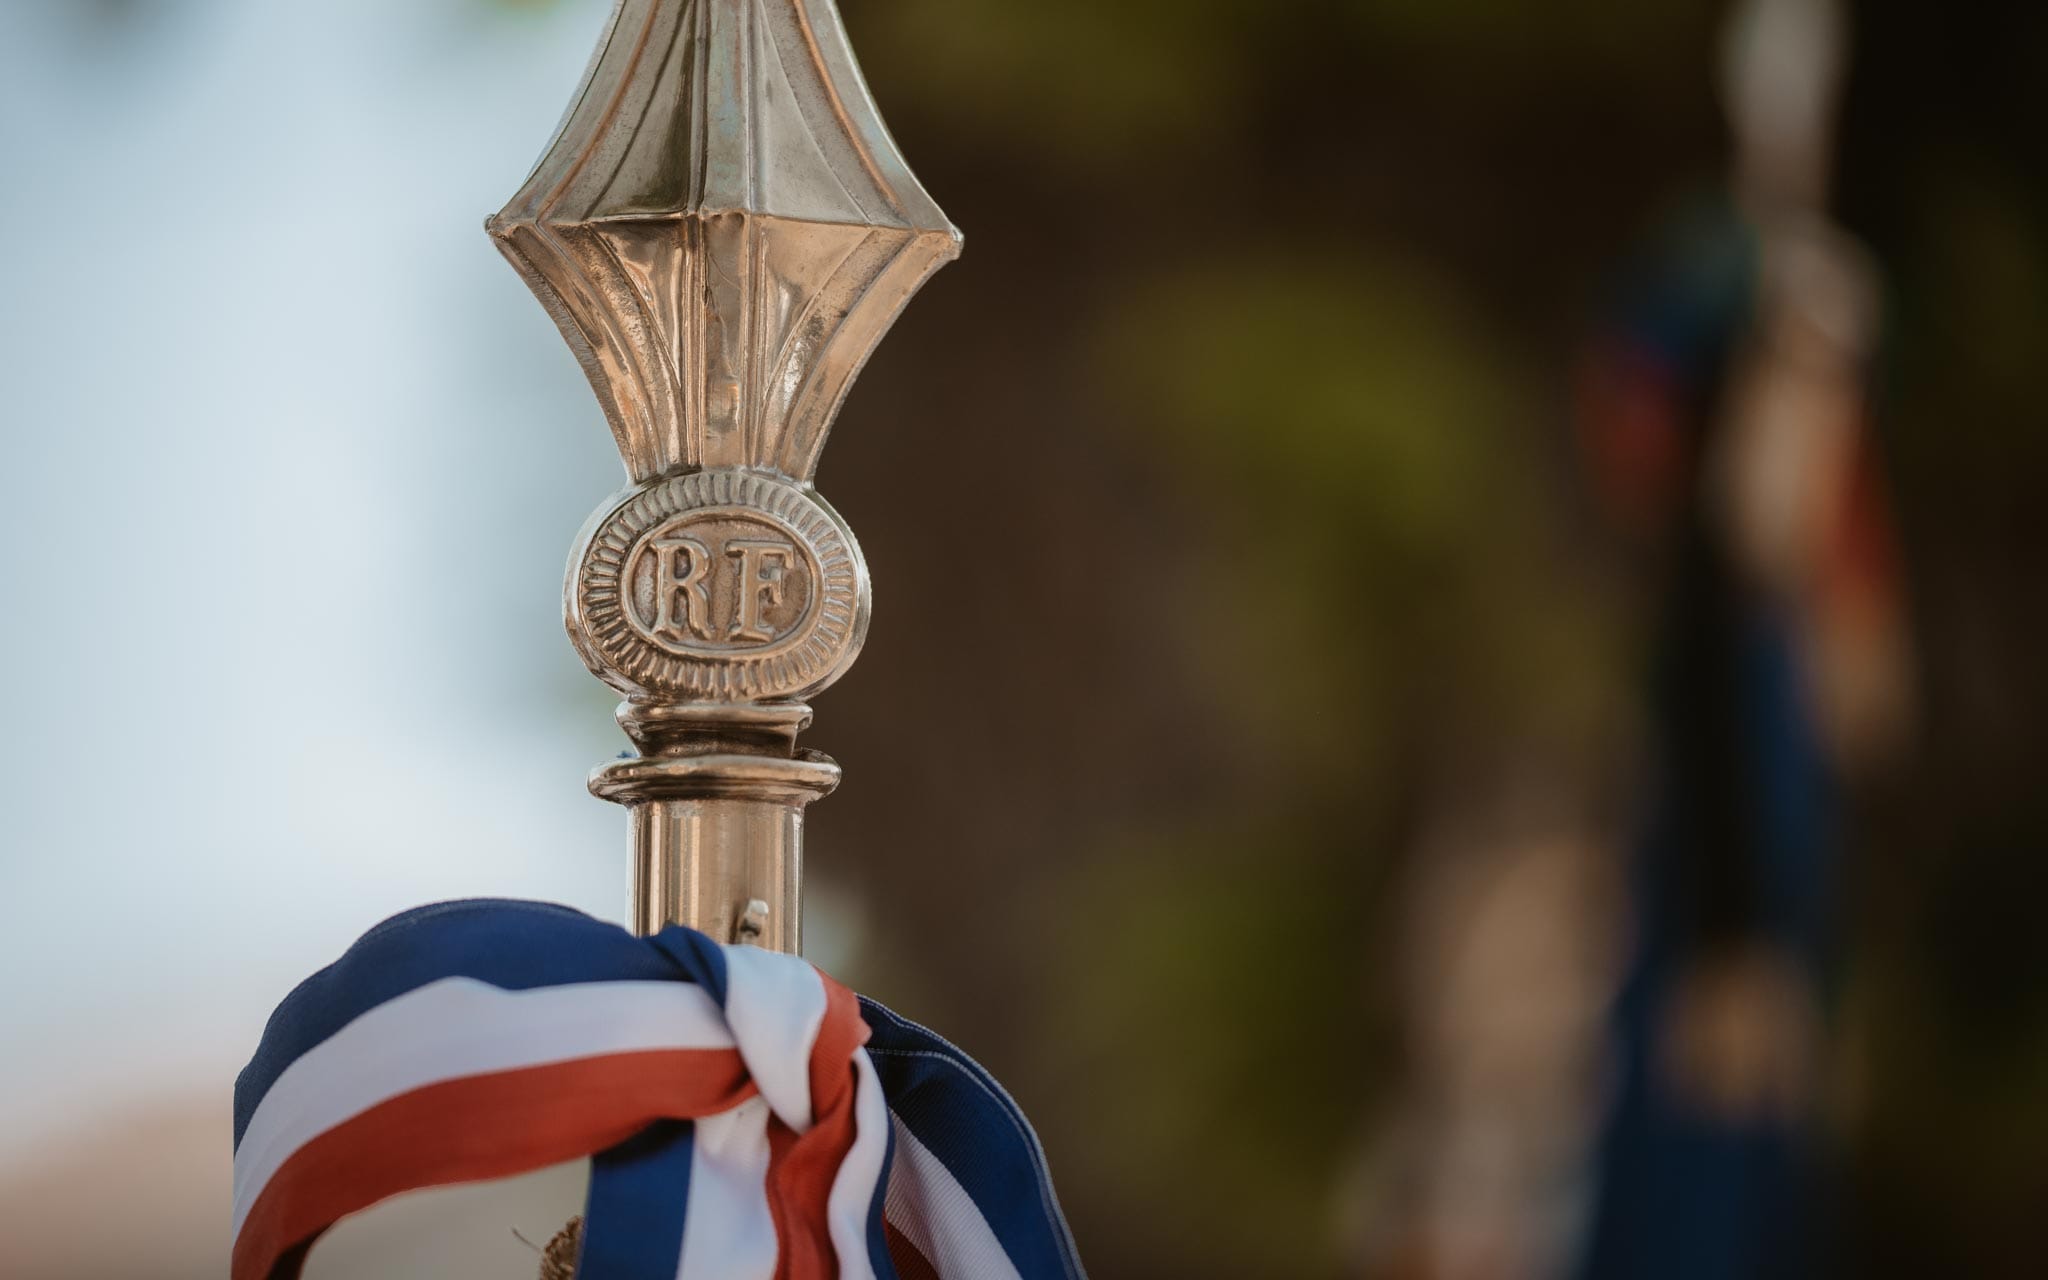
(746, 1116)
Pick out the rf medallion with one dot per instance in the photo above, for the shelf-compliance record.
(720, 585)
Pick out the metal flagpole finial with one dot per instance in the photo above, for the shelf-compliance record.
(723, 230)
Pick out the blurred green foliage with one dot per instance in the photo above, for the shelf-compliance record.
(1368, 440)
(1217, 1114)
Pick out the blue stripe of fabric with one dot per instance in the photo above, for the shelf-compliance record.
(697, 955)
(964, 1118)
(639, 1191)
(514, 945)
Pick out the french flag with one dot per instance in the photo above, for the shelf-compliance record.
(747, 1117)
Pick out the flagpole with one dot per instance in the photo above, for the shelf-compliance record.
(723, 230)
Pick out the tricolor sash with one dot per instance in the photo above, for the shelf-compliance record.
(746, 1116)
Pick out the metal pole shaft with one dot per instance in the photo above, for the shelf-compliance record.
(730, 868)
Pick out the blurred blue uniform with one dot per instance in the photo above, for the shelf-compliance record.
(1736, 854)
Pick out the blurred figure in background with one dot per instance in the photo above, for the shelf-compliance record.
(1726, 415)
(1723, 414)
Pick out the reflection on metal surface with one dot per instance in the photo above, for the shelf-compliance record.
(723, 230)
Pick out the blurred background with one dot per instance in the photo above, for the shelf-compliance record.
(1478, 712)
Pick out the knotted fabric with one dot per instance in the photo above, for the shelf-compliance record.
(797, 1131)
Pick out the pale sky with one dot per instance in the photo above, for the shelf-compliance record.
(292, 465)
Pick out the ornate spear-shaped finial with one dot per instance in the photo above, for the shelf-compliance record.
(723, 230)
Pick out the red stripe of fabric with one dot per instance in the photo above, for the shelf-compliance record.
(473, 1128)
(910, 1264)
(802, 1167)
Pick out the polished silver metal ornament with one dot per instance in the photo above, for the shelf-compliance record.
(723, 230)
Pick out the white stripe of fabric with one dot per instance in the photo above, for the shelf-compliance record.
(459, 1027)
(775, 1004)
(860, 1174)
(730, 1231)
(935, 1213)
